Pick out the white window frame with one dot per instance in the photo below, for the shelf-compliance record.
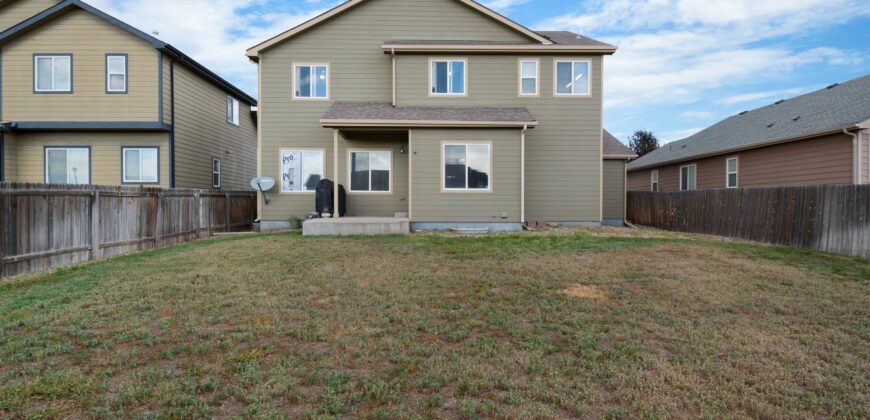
(736, 172)
(216, 172)
(67, 149)
(53, 57)
(350, 174)
(448, 60)
(654, 181)
(556, 78)
(301, 153)
(124, 151)
(695, 166)
(109, 74)
(537, 62)
(295, 84)
(444, 167)
(233, 111)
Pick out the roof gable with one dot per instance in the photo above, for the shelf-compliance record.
(254, 51)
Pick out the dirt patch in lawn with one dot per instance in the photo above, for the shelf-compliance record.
(587, 293)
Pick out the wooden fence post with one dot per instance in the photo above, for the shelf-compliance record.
(197, 214)
(227, 212)
(4, 215)
(95, 225)
(158, 224)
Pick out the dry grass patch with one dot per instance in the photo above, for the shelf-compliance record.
(569, 324)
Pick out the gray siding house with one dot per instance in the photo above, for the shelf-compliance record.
(441, 111)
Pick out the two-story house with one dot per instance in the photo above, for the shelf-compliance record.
(442, 111)
(88, 99)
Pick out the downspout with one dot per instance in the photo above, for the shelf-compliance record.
(856, 157)
(394, 75)
(172, 127)
(523, 175)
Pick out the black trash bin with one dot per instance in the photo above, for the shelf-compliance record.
(324, 198)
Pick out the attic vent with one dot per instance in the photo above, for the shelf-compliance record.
(833, 86)
(770, 125)
(796, 118)
(779, 101)
(744, 112)
(683, 146)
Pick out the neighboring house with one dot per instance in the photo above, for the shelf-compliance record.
(441, 110)
(822, 137)
(88, 99)
(616, 156)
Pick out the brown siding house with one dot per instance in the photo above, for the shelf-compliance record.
(815, 139)
(88, 99)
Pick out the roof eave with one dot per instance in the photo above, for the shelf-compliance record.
(344, 123)
(519, 48)
(619, 157)
(774, 142)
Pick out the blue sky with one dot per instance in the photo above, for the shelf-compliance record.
(682, 64)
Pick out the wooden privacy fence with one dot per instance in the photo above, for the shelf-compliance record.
(46, 226)
(833, 218)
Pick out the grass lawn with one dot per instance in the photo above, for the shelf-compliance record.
(592, 323)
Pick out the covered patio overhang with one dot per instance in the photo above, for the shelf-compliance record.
(361, 119)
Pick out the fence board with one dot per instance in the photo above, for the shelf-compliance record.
(48, 226)
(832, 218)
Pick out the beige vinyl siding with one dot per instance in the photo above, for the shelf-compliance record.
(359, 71)
(432, 204)
(375, 204)
(105, 153)
(88, 38)
(865, 157)
(15, 12)
(202, 132)
(614, 189)
(167, 89)
(10, 156)
(563, 153)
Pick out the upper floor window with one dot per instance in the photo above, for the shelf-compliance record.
(232, 110)
(654, 181)
(448, 77)
(572, 78)
(68, 165)
(52, 73)
(116, 73)
(529, 77)
(311, 81)
(731, 172)
(467, 167)
(688, 178)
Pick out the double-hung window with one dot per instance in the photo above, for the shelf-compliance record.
(731, 167)
(68, 165)
(301, 170)
(654, 181)
(370, 171)
(216, 172)
(233, 111)
(688, 177)
(529, 77)
(140, 165)
(52, 73)
(467, 167)
(116, 73)
(572, 78)
(311, 81)
(448, 77)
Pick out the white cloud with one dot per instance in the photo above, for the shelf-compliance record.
(676, 51)
(765, 95)
(502, 5)
(214, 32)
(698, 115)
(674, 135)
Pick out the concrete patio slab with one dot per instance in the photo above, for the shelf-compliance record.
(364, 226)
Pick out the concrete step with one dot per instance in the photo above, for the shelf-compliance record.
(363, 226)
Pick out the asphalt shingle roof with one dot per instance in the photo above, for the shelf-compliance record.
(614, 147)
(825, 110)
(385, 111)
(571, 38)
(557, 37)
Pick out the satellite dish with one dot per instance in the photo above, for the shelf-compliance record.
(263, 184)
